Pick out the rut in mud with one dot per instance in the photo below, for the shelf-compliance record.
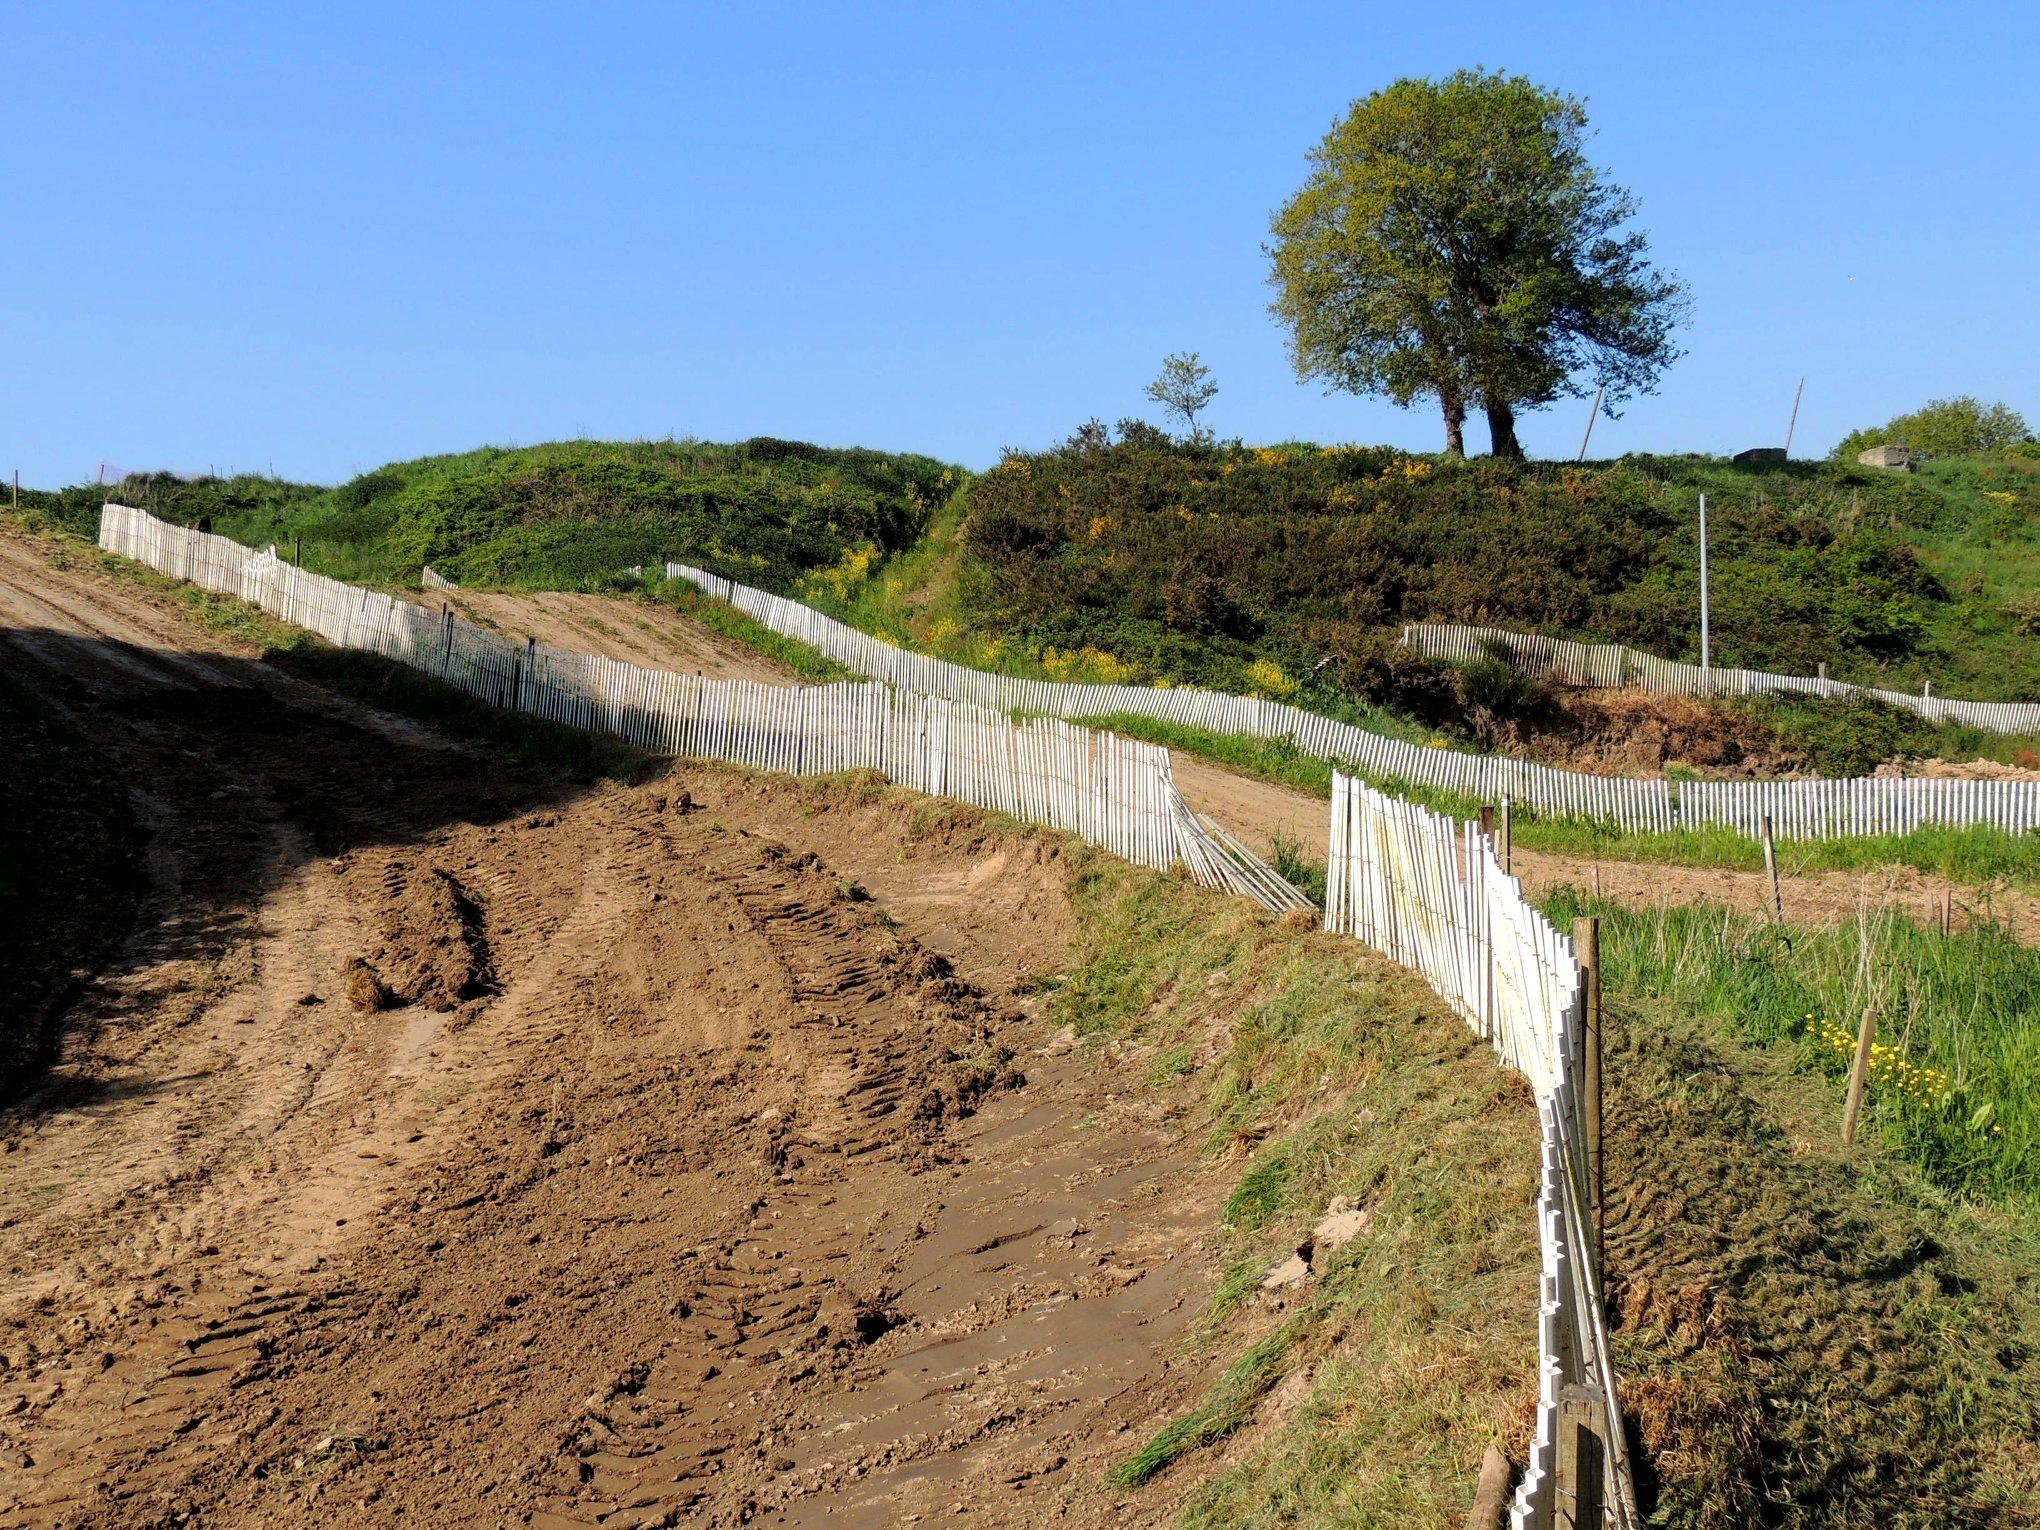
(435, 1143)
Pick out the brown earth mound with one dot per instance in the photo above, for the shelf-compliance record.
(1641, 732)
(432, 948)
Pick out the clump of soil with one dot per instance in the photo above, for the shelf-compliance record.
(434, 949)
(366, 994)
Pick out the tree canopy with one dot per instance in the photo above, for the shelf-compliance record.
(1453, 242)
(1946, 427)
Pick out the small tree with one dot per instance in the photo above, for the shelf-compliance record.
(1184, 387)
(1453, 241)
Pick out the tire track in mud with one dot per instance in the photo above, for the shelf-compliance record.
(682, 1434)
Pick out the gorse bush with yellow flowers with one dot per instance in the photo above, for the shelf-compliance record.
(1192, 559)
(1954, 1074)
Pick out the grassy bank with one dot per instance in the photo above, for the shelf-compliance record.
(1955, 1081)
(564, 515)
(720, 616)
(1806, 1336)
(1314, 1071)
(1219, 555)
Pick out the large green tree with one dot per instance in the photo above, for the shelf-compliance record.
(1947, 427)
(1453, 242)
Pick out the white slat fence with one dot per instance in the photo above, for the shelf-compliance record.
(1428, 892)
(1117, 793)
(1406, 881)
(1798, 809)
(1614, 664)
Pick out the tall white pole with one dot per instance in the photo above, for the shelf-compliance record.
(1704, 656)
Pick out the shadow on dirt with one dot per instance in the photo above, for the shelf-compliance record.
(150, 800)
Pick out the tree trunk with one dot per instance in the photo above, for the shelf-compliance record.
(1501, 424)
(1455, 423)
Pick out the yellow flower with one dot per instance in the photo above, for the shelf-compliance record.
(1265, 678)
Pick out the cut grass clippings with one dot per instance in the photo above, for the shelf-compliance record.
(1955, 1082)
(1806, 1335)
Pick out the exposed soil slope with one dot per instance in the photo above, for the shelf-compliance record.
(445, 1146)
(641, 631)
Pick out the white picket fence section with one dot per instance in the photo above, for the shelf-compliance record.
(1117, 793)
(1614, 664)
(1798, 809)
(432, 579)
(1427, 891)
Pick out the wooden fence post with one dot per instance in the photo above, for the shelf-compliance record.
(1487, 823)
(1771, 869)
(1491, 1498)
(1507, 838)
(1859, 1072)
(1587, 948)
(1582, 1460)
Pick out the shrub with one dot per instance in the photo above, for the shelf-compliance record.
(2024, 611)
(1947, 427)
(1196, 559)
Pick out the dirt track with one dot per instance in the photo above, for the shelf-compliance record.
(681, 1182)
(641, 631)
(1256, 810)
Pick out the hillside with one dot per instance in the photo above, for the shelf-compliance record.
(482, 1007)
(1283, 571)
(1287, 571)
(1174, 557)
(567, 513)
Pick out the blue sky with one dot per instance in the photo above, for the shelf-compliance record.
(316, 239)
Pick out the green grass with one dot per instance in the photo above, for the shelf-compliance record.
(1323, 1072)
(565, 515)
(1986, 556)
(1807, 1335)
(1958, 1091)
(1969, 855)
(932, 598)
(1195, 561)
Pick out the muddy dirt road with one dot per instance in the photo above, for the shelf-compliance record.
(416, 1140)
